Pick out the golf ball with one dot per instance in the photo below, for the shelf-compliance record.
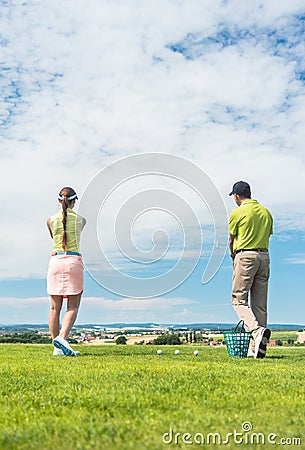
(177, 352)
(196, 352)
(159, 352)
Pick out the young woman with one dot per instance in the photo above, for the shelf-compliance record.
(65, 273)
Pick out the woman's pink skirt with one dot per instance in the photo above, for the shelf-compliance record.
(65, 275)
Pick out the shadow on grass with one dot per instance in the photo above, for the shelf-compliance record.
(278, 357)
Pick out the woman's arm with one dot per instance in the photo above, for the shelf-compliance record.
(49, 226)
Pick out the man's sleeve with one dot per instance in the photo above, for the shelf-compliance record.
(271, 224)
(233, 224)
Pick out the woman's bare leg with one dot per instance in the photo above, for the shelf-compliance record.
(70, 315)
(54, 315)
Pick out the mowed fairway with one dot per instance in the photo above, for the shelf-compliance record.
(128, 397)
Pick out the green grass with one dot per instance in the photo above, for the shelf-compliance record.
(127, 397)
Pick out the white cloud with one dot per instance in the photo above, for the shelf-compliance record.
(83, 85)
(18, 303)
(97, 310)
(130, 304)
(27, 310)
(296, 259)
(133, 310)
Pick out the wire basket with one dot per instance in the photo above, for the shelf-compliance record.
(237, 341)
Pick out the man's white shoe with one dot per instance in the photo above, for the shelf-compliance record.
(63, 345)
(251, 349)
(261, 342)
(250, 353)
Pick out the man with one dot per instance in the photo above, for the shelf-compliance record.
(250, 228)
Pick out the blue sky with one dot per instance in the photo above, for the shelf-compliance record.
(220, 83)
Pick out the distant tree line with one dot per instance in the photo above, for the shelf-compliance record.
(24, 338)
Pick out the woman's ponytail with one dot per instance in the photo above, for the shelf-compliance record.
(66, 196)
(64, 222)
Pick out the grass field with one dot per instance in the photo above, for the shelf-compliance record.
(127, 397)
(284, 335)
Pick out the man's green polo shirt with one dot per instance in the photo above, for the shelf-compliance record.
(251, 224)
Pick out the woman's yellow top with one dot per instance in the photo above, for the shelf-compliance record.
(74, 226)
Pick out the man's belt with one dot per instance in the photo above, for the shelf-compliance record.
(251, 250)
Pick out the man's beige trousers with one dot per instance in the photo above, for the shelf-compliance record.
(251, 271)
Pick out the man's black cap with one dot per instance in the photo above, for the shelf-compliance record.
(241, 188)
